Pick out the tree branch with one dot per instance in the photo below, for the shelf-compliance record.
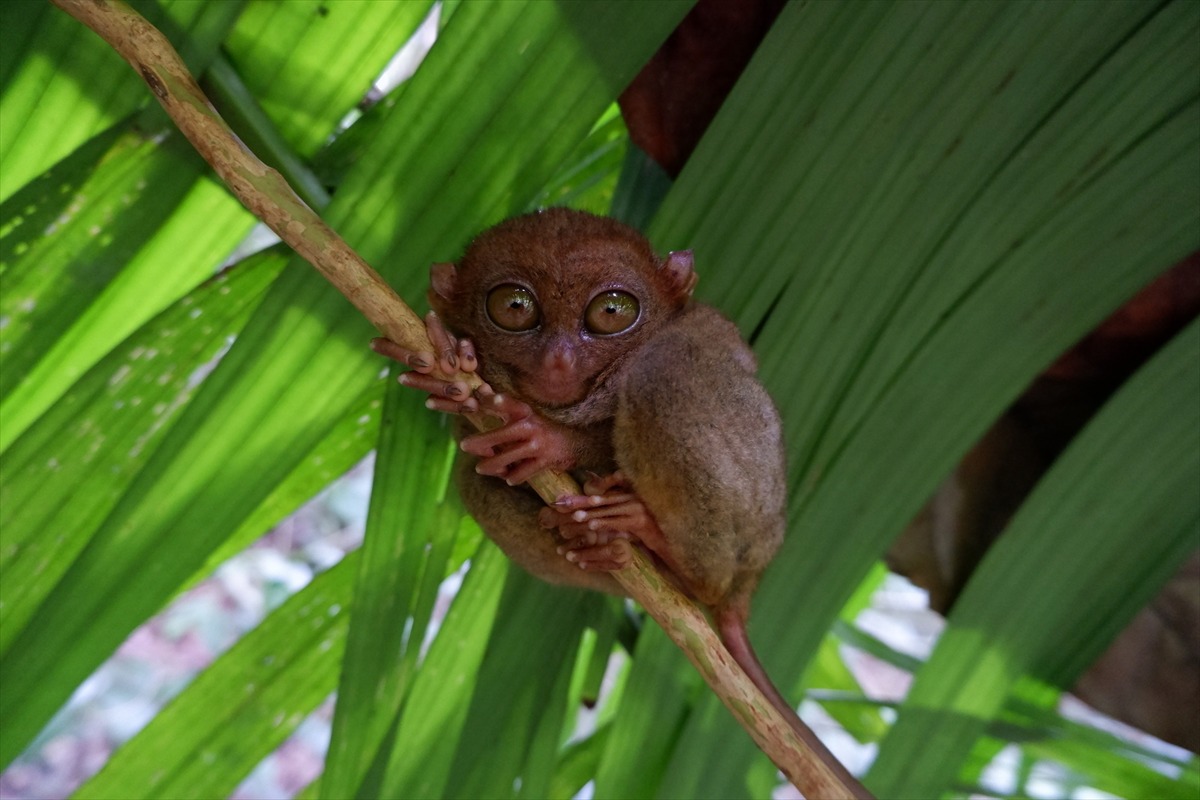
(265, 192)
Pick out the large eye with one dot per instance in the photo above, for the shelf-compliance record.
(513, 308)
(611, 312)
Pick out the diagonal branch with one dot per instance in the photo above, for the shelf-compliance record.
(265, 192)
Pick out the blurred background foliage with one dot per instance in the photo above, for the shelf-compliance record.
(917, 212)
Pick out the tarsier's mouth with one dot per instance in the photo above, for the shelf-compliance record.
(552, 393)
(553, 399)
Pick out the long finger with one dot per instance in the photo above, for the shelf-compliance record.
(512, 465)
(577, 532)
(601, 484)
(549, 518)
(468, 406)
(455, 390)
(523, 472)
(504, 406)
(496, 466)
(467, 361)
(611, 556)
(522, 450)
(566, 528)
(490, 440)
(589, 538)
(631, 507)
(419, 361)
(589, 501)
(444, 344)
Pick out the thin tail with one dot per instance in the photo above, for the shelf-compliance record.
(731, 624)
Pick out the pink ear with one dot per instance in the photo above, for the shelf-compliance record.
(443, 279)
(679, 273)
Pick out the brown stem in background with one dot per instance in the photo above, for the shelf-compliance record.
(265, 192)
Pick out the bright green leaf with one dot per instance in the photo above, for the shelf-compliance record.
(50, 103)
(63, 477)
(94, 248)
(243, 706)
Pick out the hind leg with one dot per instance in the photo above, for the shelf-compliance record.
(509, 517)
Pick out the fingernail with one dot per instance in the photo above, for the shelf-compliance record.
(452, 361)
(419, 362)
(454, 391)
(579, 516)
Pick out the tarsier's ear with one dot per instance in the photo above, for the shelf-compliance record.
(678, 274)
(443, 286)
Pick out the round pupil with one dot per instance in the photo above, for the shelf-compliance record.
(611, 312)
(512, 308)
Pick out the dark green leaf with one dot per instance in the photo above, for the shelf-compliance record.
(1136, 514)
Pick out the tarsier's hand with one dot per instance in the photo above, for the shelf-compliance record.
(523, 445)
(453, 355)
(597, 526)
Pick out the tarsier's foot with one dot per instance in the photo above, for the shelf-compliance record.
(523, 445)
(607, 557)
(607, 511)
(453, 355)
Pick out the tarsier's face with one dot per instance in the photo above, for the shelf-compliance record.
(555, 353)
(554, 300)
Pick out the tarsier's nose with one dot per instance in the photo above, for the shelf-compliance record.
(559, 357)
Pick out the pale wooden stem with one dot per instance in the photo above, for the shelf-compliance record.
(265, 192)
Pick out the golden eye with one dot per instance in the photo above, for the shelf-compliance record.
(611, 312)
(513, 308)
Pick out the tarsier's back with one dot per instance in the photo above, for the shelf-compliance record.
(702, 442)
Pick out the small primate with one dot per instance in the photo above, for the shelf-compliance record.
(598, 362)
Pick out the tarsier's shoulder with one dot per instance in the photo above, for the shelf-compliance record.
(702, 338)
(697, 366)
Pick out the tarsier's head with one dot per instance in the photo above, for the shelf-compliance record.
(556, 299)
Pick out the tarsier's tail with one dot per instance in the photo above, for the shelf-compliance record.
(731, 625)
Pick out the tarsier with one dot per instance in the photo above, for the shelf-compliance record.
(597, 362)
